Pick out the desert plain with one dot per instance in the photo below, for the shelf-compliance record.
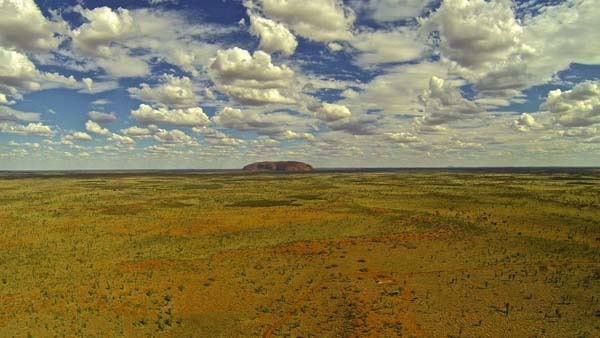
(407, 253)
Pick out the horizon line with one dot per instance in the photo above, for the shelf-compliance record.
(316, 169)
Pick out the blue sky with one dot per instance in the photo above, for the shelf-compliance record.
(356, 83)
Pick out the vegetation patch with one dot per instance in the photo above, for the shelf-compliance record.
(263, 203)
(307, 197)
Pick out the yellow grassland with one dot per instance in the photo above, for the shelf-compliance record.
(393, 254)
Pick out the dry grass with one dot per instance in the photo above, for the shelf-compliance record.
(411, 254)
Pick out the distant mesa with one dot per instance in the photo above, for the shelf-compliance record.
(282, 166)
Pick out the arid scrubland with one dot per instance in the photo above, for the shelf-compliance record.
(327, 254)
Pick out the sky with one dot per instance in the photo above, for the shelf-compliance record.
(184, 84)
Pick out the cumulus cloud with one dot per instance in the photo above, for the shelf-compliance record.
(174, 137)
(335, 47)
(17, 72)
(477, 32)
(578, 107)
(121, 141)
(18, 75)
(101, 117)
(402, 137)
(526, 122)
(123, 42)
(390, 10)
(219, 138)
(187, 117)
(160, 2)
(22, 25)
(78, 136)
(171, 37)
(332, 112)
(290, 135)
(355, 125)
(251, 79)
(396, 91)
(249, 120)
(483, 42)
(89, 86)
(173, 91)
(95, 128)
(562, 34)
(580, 132)
(104, 27)
(103, 36)
(137, 132)
(100, 102)
(387, 46)
(274, 37)
(444, 103)
(34, 129)
(322, 21)
(8, 114)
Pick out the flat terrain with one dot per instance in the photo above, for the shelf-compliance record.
(372, 254)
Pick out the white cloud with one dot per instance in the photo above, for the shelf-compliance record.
(397, 90)
(173, 38)
(526, 122)
(476, 33)
(355, 125)
(101, 117)
(188, 117)
(274, 37)
(8, 114)
(386, 46)
(104, 27)
(160, 2)
(290, 135)
(95, 128)
(94, 87)
(390, 10)
(172, 92)
(157, 150)
(322, 21)
(332, 112)
(122, 141)
(562, 34)
(443, 103)
(121, 64)
(89, 83)
(22, 25)
(137, 132)
(335, 47)
(174, 137)
(218, 138)
(578, 107)
(100, 102)
(580, 132)
(483, 42)
(402, 137)
(18, 74)
(252, 79)
(249, 120)
(123, 42)
(78, 136)
(35, 129)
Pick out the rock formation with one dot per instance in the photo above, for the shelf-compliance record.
(283, 166)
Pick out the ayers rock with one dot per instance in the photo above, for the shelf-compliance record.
(283, 166)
